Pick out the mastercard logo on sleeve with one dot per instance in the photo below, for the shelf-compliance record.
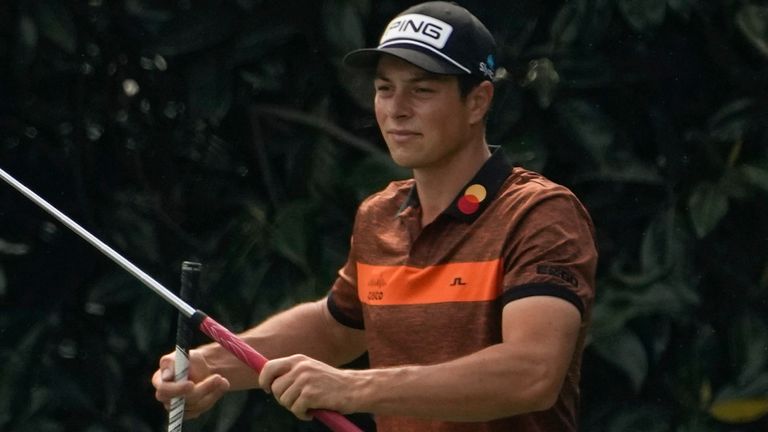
(473, 196)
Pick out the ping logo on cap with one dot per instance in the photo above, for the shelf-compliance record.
(420, 28)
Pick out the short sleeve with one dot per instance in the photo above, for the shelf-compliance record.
(343, 301)
(551, 250)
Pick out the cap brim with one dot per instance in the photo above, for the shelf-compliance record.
(368, 59)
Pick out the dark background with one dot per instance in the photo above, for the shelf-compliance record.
(228, 132)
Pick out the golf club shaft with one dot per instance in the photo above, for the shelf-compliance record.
(207, 325)
(163, 292)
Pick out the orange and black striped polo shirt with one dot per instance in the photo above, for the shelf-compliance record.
(431, 294)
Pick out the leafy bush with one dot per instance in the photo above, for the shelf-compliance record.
(230, 133)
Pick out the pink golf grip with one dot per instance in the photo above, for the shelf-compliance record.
(249, 356)
(233, 344)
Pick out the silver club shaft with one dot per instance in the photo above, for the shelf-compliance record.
(154, 285)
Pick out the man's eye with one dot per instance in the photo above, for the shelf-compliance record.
(424, 90)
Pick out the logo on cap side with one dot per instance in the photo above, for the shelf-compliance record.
(418, 27)
(488, 67)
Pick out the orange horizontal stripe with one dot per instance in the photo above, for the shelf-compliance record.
(404, 285)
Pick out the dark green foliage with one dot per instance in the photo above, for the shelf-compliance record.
(228, 131)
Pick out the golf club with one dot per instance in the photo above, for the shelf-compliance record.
(199, 319)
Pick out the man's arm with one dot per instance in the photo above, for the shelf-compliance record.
(524, 373)
(307, 328)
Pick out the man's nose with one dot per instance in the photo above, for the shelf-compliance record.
(400, 105)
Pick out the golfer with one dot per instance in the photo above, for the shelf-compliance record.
(470, 286)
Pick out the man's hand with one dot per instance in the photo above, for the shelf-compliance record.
(202, 389)
(300, 383)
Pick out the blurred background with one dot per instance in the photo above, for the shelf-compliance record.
(227, 131)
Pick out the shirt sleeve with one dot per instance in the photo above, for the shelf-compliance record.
(343, 301)
(551, 250)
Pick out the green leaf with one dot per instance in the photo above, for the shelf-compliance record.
(27, 41)
(755, 175)
(662, 299)
(133, 229)
(344, 28)
(748, 343)
(729, 122)
(290, 233)
(42, 425)
(589, 126)
(626, 352)
(8, 248)
(658, 247)
(729, 112)
(643, 15)
(707, 205)
(112, 373)
(114, 288)
(630, 171)
(644, 418)
(212, 24)
(251, 46)
(752, 21)
(56, 24)
(151, 323)
(15, 369)
(210, 89)
(566, 24)
(682, 7)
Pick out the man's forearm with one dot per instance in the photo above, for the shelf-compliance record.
(493, 383)
(524, 373)
(306, 329)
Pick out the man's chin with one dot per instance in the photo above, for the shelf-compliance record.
(406, 159)
(405, 163)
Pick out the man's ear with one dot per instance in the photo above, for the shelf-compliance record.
(479, 101)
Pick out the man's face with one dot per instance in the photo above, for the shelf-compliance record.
(422, 116)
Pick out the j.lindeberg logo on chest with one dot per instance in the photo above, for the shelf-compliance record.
(418, 27)
(458, 281)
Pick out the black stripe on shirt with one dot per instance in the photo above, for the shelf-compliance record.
(341, 317)
(543, 289)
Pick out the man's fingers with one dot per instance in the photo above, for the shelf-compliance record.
(200, 390)
(291, 399)
(167, 374)
(164, 373)
(204, 395)
(167, 390)
(271, 371)
(167, 361)
(285, 379)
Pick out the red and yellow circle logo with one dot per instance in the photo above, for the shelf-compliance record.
(473, 196)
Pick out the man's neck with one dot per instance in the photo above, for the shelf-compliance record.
(438, 186)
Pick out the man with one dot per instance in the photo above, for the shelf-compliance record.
(470, 286)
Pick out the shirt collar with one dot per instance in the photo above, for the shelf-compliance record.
(475, 196)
